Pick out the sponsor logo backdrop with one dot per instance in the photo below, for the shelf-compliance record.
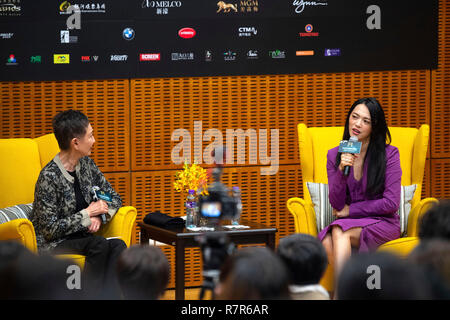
(143, 38)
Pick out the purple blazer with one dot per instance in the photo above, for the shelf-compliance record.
(377, 217)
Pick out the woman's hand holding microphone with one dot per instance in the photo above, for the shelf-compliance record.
(347, 159)
(95, 209)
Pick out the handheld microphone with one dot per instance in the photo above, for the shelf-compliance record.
(95, 197)
(351, 146)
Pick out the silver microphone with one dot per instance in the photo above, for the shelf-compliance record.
(347, 168)
(95, 197)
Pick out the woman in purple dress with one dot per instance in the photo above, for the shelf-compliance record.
(366, 201)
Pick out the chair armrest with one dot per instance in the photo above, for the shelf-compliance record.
(416, 214)
(20, 230)
(304, 216)
(401, 247)
(78, 259)
(121, 225)
(419, 157)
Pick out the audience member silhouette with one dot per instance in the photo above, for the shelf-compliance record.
(143, 272)
(253, 273)
(306, 260)
(381, 276)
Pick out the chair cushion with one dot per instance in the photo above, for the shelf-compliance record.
(324, 211)
(20, 211)
(407, 193)
(322, 206)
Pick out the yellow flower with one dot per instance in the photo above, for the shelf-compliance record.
(191, 177)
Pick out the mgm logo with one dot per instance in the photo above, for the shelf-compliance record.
(226, 7)
(244, 6)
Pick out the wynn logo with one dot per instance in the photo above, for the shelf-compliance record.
(300, 4)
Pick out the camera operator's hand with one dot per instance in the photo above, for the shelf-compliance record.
(97, 208)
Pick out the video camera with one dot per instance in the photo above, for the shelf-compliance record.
(215, 247)
(218, 204)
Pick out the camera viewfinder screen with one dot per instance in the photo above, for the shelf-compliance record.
(211, 209)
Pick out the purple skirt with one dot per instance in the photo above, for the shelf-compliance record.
(375, 231)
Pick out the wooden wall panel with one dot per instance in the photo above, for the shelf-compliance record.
(27, 109)
(161, 106)
(440, 173)
(427, 181)
(121, 182)
(440, 123)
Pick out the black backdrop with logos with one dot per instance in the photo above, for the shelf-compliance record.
(143, 38)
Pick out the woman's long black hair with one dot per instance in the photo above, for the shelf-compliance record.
(376, 152)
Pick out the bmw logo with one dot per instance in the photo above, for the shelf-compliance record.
(128, 34)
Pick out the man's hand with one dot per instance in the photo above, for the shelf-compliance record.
(343, 213)
(96, 222)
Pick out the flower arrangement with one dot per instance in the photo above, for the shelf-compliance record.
(192, 177)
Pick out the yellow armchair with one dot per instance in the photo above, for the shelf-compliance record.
(314, 144)
(21, 161)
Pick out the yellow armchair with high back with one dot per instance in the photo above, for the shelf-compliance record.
(314, 144)
(21, 161)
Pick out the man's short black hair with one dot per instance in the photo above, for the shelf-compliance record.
(381, 276)
(68, 125)
(254, 273)
(304, 256)
(143, 272)
(435, 222)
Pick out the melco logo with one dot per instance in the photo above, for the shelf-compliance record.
(161, 4)
(187, 33)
